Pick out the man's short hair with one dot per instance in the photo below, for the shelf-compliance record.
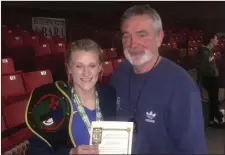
(144, 10)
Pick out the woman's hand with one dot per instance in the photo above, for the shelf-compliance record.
(84, 149)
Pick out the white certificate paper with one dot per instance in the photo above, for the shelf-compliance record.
(112, 137)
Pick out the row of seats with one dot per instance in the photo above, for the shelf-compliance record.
(50, 61)
(12, 78)
(35, 56)
(197, 43)
(20, 32)
(17, 84)
(8, 67)
(182, 40)
(45, 46)
(14, 84)
(16, 89)
(193, 39)
(194, 43)
(218, 52)
(170, 45)
(44, 54)
(42, 44)
(53, 62)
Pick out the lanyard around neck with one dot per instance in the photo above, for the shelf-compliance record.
(83, 113)
(133, 116)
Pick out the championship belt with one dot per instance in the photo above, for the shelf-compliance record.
(49, 114)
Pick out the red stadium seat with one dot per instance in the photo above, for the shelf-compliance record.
(107, 71)
(6, 33)
(190, 43)
(174, 45)
(24, 33)
(58, 39)
(116, 62)
(35, 79)
(191, 52)
(169, 45)
(12, 85)
(164, 45)
(15, 116)
(7, 66)
(18, 31)
(104, 55)
(15, 100)
(13, 90)
(111, 53)
(6, 143)
(31, 40)
(59, 48)
(48, 40)
(15, 113)
(43, 49)
(54, 63)
(13, 41)
(107, 67)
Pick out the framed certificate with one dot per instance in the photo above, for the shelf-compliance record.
(112, 137)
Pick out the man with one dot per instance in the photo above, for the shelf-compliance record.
(157, 95)
(208, 73)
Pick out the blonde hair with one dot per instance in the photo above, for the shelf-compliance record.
(84, 45)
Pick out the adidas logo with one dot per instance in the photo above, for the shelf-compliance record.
(150, 117)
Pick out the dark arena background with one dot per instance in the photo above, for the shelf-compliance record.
(35, 36)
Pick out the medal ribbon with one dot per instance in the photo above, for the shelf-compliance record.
(83, 113)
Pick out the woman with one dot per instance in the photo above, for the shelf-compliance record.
(60, 115)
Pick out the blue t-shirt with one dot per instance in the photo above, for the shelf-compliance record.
(79, 129)
(169, 112)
